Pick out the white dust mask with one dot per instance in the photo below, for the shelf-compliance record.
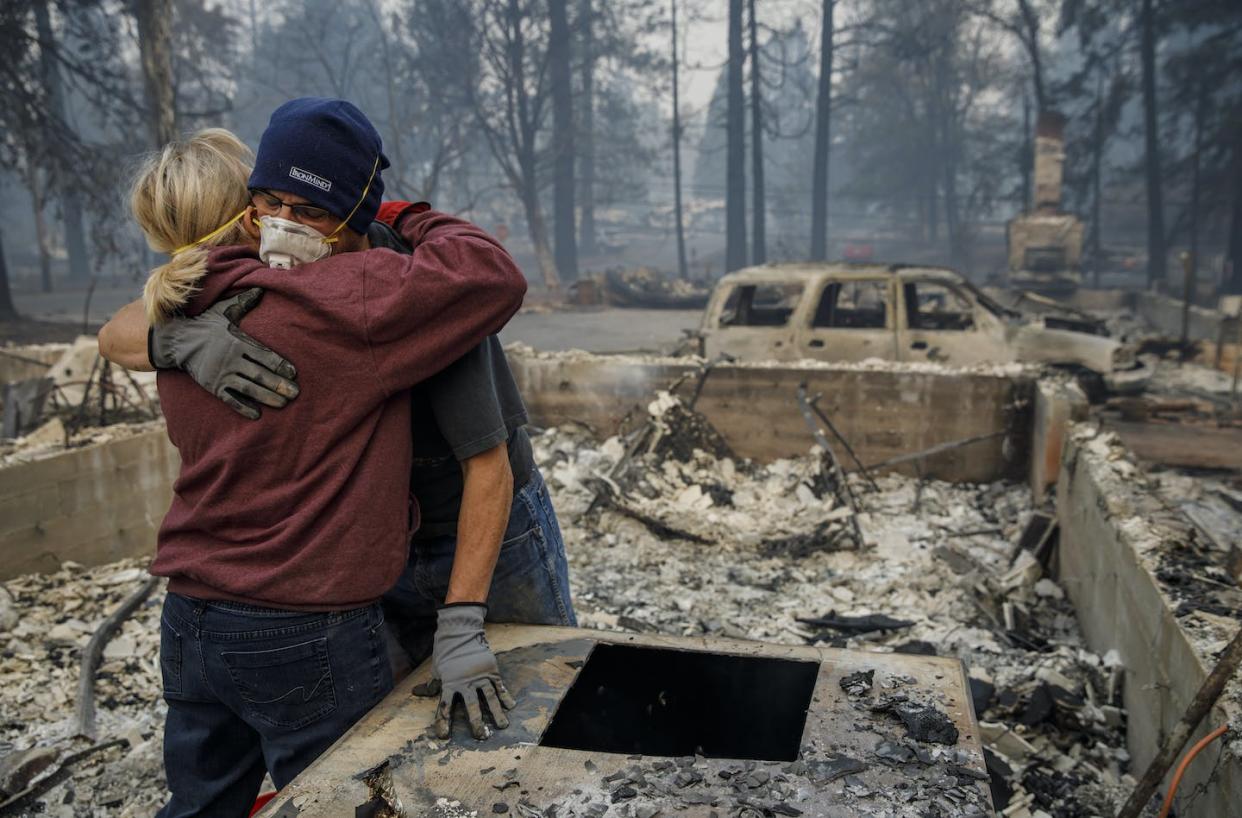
(285, 244)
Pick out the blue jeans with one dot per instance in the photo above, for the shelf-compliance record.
(530, 584)
(253, 690)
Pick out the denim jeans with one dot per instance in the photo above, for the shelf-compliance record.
(530, 584)
(253, 690)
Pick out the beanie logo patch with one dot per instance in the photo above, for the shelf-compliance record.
(310, 178)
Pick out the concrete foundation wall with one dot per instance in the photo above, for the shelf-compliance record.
(1109, 527)
(882, 413)
(17, 363)
(1164, 314)
(1087, 299)
(91, 505)
(1057, 405)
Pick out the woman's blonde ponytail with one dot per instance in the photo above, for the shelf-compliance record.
(181, 197)
(170, 286)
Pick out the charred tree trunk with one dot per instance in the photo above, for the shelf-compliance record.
(952, 219)
(1195, 188)
(1156, 248)
(682, 268)
(735, 174)
(75, 233)
(36, 184)
(538, 230)
(823, 140)
(8, 312)
(67, 192)
(1097, 171)
(565, 231)
(759, 252)
(586, 150)
(155, 48)
(1030, 25)
(517, 150)
(1028, 156)
(950, 147)
(1233, 283)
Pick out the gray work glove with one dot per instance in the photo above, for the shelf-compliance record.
(228, 363)
(463, 665)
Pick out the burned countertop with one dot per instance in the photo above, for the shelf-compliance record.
(646, 725)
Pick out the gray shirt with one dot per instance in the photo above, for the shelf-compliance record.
(471, 406)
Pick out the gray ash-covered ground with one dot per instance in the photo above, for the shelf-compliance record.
(45, 622)
(759, 552)
(936, 556)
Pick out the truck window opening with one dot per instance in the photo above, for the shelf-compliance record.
(760, 305)
(853, 305)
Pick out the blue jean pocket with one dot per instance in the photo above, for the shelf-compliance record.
(170, 658)
(287, 687)
(525, 587)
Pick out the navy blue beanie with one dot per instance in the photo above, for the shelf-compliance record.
(325, 151)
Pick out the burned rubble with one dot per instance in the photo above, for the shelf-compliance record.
(669, 532)
(46, 767)
(936, 573)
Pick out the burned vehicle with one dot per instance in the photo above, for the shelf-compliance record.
(855, 312)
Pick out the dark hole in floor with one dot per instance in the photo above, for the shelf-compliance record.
(656, 702)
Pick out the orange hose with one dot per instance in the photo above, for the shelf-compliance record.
(1181, 768)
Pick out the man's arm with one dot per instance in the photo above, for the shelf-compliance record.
(487, 494)
(463, 663)
(426, 310)
(123, 340)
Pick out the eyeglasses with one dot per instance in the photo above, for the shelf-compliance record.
(267, 204)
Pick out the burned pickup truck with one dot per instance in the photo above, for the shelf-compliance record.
(855, 312)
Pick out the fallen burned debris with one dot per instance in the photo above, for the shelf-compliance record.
(857, 624)
(647, 288)
(923, 722)
(676, 455)
(1071, 762)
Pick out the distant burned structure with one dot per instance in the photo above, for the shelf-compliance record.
(1045, 244)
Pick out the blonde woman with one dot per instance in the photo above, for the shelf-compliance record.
(285, 531)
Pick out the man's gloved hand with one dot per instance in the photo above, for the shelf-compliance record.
(463, 665)
(228, 363)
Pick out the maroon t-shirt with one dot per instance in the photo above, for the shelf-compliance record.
(308, 507)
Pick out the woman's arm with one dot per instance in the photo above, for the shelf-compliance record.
(123, 340)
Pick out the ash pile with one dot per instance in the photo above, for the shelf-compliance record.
(667, 532)
(47, 767)
(677, 476)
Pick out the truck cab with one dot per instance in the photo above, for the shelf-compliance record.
(918, 314)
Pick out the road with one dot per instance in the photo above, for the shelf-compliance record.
(592, 329)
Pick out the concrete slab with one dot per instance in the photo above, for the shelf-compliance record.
(851, 760)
